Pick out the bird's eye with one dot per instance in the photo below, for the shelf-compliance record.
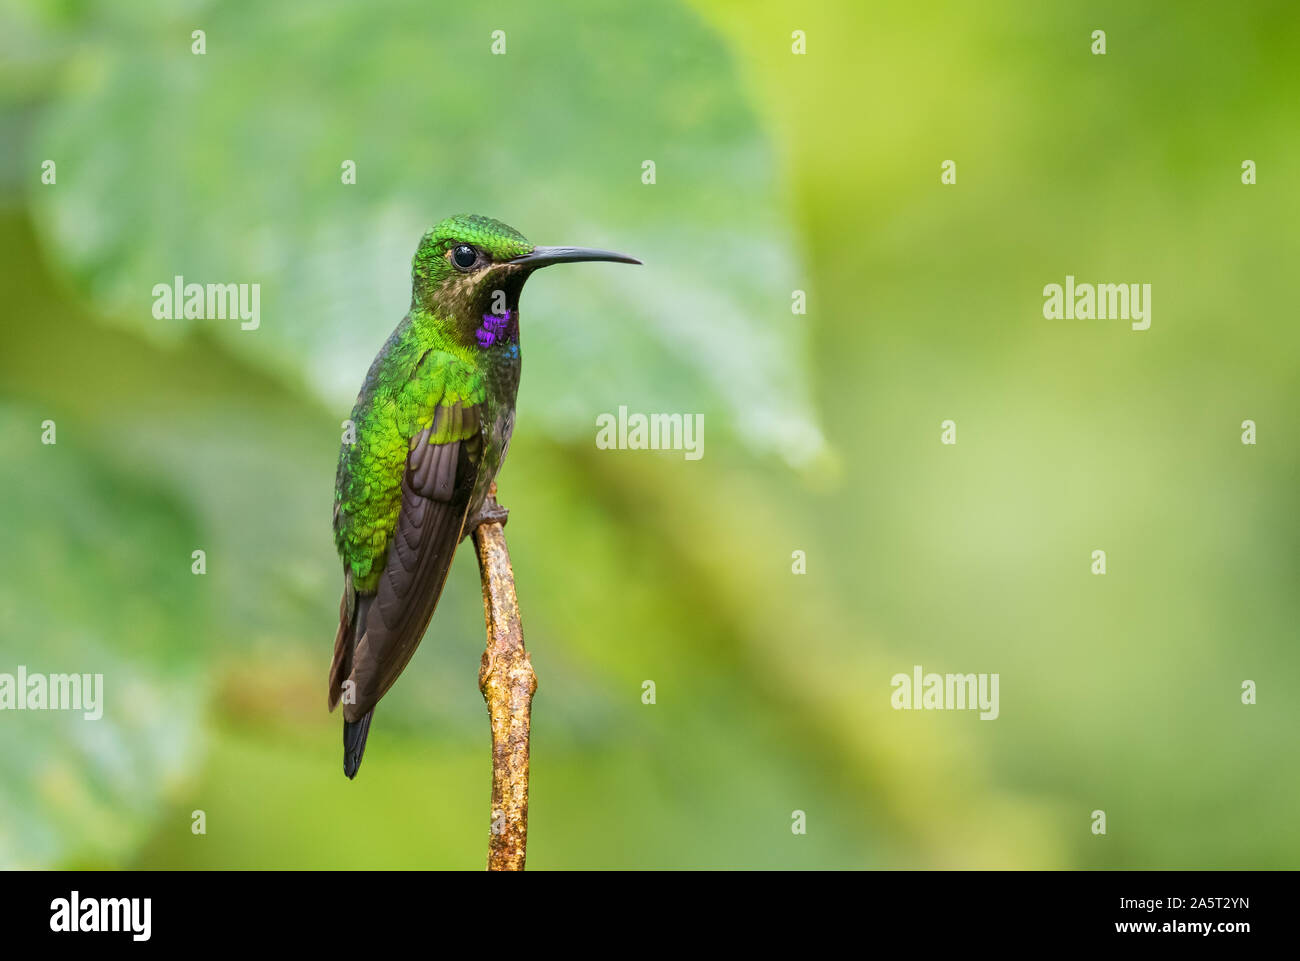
(464, 256)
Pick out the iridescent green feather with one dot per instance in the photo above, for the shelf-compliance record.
(401, 394)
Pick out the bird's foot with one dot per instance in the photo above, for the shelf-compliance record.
(490, 513)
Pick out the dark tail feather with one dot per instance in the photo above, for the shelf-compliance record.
(354, 743)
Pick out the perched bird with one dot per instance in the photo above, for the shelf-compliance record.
(431, 427)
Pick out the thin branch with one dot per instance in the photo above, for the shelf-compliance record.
(507, 681)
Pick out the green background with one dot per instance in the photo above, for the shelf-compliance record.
(774, 173)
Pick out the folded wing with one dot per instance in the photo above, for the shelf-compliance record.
(378, 636)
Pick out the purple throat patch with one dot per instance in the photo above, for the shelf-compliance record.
(492, 329)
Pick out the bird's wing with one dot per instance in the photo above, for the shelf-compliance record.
(378, 637)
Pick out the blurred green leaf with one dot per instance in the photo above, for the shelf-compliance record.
(95, 578)
(226, 168)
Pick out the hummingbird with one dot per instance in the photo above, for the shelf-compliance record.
(428, 435)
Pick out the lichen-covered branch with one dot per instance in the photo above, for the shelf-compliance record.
(507, 681)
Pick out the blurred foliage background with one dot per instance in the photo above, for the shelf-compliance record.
(775, 172)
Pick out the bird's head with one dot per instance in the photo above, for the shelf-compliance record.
(469, 270)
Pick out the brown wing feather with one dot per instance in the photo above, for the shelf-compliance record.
(436, 489)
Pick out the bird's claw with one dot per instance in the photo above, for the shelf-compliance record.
(489, 513)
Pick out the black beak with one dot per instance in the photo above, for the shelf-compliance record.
(545, 256)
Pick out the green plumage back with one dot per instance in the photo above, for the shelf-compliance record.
(410, 378)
